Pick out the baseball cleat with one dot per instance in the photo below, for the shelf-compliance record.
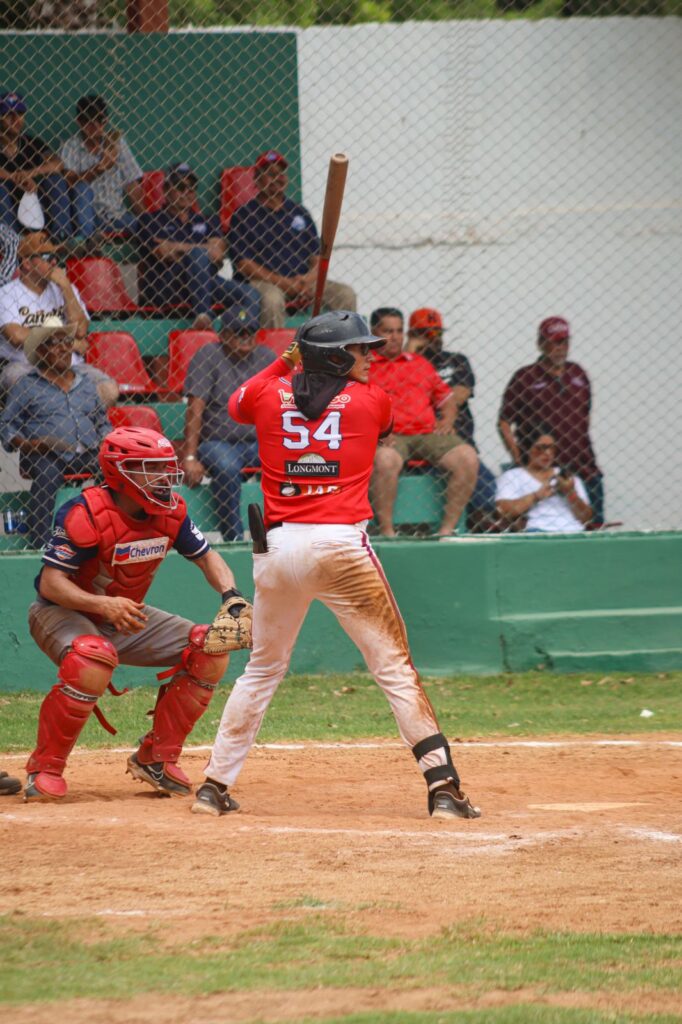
(9, 785)
(449, 802)
(44, 786)
(165, 777)
(213, 798)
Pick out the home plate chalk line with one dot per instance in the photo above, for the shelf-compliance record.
(342, 747)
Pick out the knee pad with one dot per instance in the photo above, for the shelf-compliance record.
(442, 772)
(88, 665)
(205, 669)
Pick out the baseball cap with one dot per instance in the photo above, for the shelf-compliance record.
(270, 156)
(50, 326)
(239, 320)
(180, 172)
(12, 102)
(35, 242)
(425, 319)
(554, 328)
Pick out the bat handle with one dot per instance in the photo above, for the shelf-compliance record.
(319, 285)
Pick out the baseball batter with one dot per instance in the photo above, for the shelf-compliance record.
(89, 615)
(317, 434)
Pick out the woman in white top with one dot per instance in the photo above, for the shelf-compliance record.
(551, 499)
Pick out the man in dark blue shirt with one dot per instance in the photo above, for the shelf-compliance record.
(214, 443)
(274, 245)
(182, 252)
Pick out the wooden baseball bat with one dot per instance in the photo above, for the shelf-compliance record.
(333, 198)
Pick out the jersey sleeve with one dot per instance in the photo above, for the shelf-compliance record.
(242, 403)
(190, 541)
(73, 540)
(462, 375)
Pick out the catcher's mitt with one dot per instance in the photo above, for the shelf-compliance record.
(231, 628)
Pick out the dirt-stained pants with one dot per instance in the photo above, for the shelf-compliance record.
(334, 564)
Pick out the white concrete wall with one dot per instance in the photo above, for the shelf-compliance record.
(507, 171)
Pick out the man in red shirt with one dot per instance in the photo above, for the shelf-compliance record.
(425, 410)
(558, 394)
(317, 433)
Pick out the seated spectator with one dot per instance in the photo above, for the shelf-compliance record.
(214, 443)
(424, 410)
(554, 391)
(41, 290)
(9, 247)
(54, 418)
(182, 252)
(273, 243)
(27, 164)
(102, 172)
(425, 336)
(544, 493)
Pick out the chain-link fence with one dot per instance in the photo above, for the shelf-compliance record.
(512, 225)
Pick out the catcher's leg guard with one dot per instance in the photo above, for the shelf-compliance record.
(84, 674)
(180, 705)
(446, 800)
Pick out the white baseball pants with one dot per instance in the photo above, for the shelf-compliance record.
(334, 564)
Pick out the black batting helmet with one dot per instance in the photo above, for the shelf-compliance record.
(323, 341)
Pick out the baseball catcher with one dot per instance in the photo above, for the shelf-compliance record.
(90, 615)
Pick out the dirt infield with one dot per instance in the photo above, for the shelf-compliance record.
(581, 835)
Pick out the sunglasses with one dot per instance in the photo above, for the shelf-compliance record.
(57, 339)
(544, 447)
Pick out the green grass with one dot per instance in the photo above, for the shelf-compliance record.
(334, 707)
(48, 960)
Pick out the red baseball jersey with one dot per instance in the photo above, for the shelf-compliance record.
(313, 471)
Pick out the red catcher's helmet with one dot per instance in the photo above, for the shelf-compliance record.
(142, 464)
(425, 320)
(554, 328)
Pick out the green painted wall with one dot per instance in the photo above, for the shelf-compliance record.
(213, 99)
(479, 605)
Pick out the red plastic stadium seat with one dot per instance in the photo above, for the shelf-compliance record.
(101, 286)
(276, 338)
(237, 186)
(135, 416)
(181, 347)
(117, 354)
(152, 190)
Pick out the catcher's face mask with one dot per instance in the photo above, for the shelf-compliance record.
(153, 481)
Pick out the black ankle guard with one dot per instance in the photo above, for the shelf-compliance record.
(442, 772)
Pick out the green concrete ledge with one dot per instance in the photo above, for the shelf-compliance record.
(601, 602)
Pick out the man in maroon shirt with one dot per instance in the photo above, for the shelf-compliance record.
(557, 393)
(425, 410)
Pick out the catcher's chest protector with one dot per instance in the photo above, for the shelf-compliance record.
(128, 552)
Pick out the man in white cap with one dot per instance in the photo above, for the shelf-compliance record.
(41, 290)
(54, 418)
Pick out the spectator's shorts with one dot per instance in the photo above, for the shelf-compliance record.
(429, 447)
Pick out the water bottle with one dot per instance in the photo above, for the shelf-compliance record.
(14, 521)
